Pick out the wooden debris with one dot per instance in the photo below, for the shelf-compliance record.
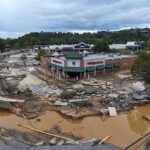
(106, 138)
(77, 100)
(146, 118)
(11, 100)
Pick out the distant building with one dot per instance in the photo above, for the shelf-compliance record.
(85, 66)
(117, 46)
(64, 47)
(82, 46)
(133, 46)
(128, 45)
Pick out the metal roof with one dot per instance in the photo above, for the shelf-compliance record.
(104, 56)
(74, 55)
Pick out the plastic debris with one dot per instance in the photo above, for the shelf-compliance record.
(138, 86)
(112, 111)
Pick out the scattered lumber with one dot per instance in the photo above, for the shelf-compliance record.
(146, 118)
(11, 100)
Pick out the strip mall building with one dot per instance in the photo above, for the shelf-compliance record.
(87, 65)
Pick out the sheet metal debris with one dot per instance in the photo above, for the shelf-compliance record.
(112, 111)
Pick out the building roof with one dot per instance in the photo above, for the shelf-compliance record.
(131, 43)
(117, 46)
(55, 54)
(104, 56)
(74, 55)
(67, 48)
(82, 45)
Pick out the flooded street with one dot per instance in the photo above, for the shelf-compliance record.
(124, 129)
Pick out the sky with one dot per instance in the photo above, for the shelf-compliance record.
(18, 17)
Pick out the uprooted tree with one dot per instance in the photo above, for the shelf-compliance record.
(141, 66)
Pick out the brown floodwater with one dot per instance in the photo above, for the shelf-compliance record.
(124, 128)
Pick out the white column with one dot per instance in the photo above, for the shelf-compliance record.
(88, 76)
(85, 74)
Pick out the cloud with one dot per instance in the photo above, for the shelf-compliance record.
(20, 16)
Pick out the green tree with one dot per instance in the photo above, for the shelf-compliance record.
(16, 45)
(40, 53)
(147, 43)
(101, 46)
(141, 66)
(35, 41)
(25, 44)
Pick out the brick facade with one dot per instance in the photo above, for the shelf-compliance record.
(124, 64)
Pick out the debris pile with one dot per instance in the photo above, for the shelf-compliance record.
(38, 86)
(23, 140)
(83, 101)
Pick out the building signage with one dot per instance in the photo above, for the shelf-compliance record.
(94, 62)
(57, 61)
(73, 63)
(82, 46)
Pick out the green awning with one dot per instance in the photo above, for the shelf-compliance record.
(53, 66)
(117, 65)
(48, 64)
(100, 67)
(74, 69)
(108, 66)
(60, 68)
(91, 68)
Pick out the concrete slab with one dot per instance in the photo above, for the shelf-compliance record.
(17, 145)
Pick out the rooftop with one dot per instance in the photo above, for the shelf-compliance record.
(74, 55)
(103, 56)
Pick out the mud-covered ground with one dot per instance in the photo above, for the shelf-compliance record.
(49, 102)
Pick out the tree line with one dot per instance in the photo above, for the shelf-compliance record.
(142, 36)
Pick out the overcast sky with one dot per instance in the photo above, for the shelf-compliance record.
(18, 17)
